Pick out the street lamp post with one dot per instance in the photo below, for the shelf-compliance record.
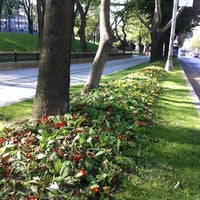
(169, 63)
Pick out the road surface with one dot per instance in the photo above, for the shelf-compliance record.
(191, 67)
(20, 84)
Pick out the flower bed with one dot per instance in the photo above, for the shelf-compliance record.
(86, 153)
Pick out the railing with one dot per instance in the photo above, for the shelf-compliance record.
(15, 57)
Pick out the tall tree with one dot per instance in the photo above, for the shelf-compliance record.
(28, 6)
(1, 6)
(52, 93)
(103, 49)
(41, 13)
(160, 13)
(83, 13)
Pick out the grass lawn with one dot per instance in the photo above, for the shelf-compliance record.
(169, 168)
(172, 171)
(21, 42)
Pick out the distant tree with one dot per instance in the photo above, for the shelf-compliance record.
(41, 13)
(159, 25)
(28, 8)
(1, 7)
(119, 26)
(9, 8)
(52, 93)
(83, 13)
(103, 49)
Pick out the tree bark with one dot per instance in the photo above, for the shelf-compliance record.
(1, 6)
(103, 49)
(27, 7)
(81, 31)
(155, 30)
(41, 13)
(52, 93)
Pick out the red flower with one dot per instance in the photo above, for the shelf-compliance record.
(90, 155)
(95, 189)
(121, 137)
(109, 108)
(80, 107)
(45, 118)
(33, 198)
(77, 157)
(28, 156)
(81, 173)
(2, 140)
(60, 124)
(141, 124)
(59, 152)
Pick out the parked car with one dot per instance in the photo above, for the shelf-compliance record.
(182, 53)
(196, 55)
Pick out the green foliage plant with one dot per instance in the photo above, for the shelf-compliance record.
(86, 153)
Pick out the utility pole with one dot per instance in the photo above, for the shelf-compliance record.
(169, 63)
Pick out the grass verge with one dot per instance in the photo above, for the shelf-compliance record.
(21, 42)
(173, 162)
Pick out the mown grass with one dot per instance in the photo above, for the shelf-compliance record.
(21, 42)
(171, 169)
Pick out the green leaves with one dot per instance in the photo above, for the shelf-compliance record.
(87, 152)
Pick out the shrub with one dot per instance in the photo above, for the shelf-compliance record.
(86, 153)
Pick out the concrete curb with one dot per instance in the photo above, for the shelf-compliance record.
(31, 64)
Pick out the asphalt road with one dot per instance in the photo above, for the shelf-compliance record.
(191, 67)
(20, 84)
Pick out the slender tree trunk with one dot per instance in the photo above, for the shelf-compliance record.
(1, 6)
(81, 31)
(30, 25)
(41, 13)
(104, 47)
(52, 94)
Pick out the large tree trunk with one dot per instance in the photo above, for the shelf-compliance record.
(155, 39)
(52, 94)
(104, 47)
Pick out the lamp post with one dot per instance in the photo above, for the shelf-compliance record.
(169, 63)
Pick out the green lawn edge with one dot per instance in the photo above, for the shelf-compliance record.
(173, 160)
